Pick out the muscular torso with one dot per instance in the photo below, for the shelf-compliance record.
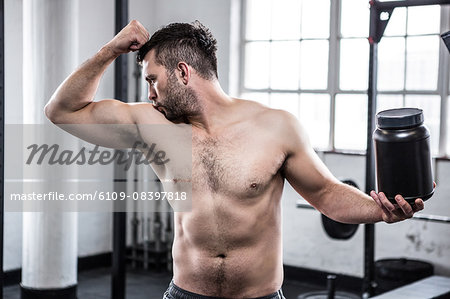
(229, 245)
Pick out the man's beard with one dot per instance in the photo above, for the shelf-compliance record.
(181, 101)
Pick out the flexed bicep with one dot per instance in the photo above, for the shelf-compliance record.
(108, 122)
(111, 123)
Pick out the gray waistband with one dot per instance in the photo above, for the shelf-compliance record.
(175, 292)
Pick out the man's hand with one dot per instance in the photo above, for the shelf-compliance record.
(131, 38)
(396, 212)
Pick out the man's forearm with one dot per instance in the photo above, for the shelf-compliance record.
(79, 89)
(350, 205)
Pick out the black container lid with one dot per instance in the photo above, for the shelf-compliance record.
(399, 118)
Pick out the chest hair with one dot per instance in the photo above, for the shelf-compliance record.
(207, 162)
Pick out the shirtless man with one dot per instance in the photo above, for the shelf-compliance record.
(230, 244)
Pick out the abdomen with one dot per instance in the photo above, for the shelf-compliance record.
(226, 250)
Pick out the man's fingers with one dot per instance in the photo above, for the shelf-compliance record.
(373, 194)
(404, 205)
(418, 205)
(142, 35)
(134, 47)
(141, 31)
(131, 38)
(386, 203)
(145, 33)
(138, 34)
(399, 211)
(137, 42)
(375, 197)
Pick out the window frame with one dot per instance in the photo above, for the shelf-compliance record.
(333, 84)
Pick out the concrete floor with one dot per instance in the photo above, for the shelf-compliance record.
(96, 284)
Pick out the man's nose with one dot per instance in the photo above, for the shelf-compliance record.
(152, 95)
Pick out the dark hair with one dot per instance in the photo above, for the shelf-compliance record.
(192, 43)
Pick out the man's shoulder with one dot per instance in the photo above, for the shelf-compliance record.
(280, 125)
(257, 110)
(279, 122)
(275, 118)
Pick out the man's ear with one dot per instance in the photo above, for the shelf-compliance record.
(184, 72)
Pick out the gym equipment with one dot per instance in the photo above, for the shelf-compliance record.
(338, 230)
(436, 287)
(393, 273)
(446, 38)
(118, 281)
(330, 293)
(403, 155)
(153, 248)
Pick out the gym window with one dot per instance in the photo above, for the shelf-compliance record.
(310, 57)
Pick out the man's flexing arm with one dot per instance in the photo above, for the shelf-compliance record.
(72, 102)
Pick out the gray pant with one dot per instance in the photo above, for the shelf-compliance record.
(175, 292)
